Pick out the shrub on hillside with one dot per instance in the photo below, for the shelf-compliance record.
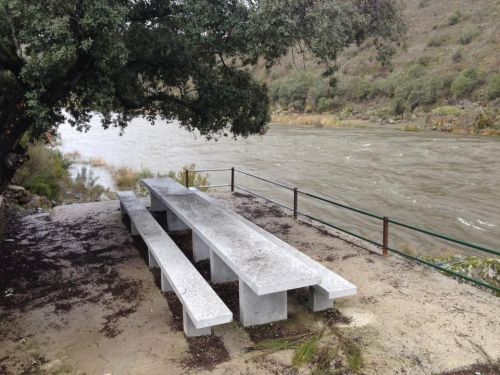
(454, 18)
(436, 40)
(416, 87)
(468, 33)
(328, 104)
(45, 172)
(465, 83)
(493, 88)
(383, 87)
(354, 88)
(299, 91)
(457, 56)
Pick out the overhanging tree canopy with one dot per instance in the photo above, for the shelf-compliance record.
(181, 59)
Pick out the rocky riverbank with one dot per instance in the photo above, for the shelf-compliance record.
(466, 118)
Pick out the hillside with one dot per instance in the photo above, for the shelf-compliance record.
(446, 74)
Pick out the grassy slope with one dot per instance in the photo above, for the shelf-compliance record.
(432, 40)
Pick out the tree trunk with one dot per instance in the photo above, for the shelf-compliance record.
(12, 154)
(10, 161)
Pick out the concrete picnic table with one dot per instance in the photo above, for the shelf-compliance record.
(264, 270)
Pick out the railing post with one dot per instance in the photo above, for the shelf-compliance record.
(232, 178)
(295, 202)
(187, 178)
(385, 239)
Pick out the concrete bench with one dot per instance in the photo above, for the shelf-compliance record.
(236, 251)
(321, 296)
(202, 307)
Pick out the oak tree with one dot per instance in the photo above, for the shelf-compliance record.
(183, 59)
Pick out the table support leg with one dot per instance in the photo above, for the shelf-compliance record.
(200, 250)
(263, 309)
(219, 271)
(156, 204)
(174, 224)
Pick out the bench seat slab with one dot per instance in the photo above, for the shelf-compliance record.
(200, 303)
(255, 310)
(219, 271)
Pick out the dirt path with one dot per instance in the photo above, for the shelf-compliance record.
(76, 297)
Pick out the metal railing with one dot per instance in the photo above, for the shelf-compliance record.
(384, 219)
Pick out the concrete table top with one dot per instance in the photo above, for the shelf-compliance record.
(263, 265)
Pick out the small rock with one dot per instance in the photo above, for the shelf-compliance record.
(16, 188)
(391, 121)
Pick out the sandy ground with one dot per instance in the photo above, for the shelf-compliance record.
(77, 298)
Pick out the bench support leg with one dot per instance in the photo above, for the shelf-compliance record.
(219, 271)
(200, 250)
(156, 204)
(190, 330)
(152, 261)
(264, 309)
(174, 224)
(165, 285)
(318, 301)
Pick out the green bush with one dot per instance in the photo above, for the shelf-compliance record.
(466, 38)
(457, 56)
(127, 179)
(454, 18)
(326, 104)
(383, 87)
(465, 83)
(45, 172)
(300, 91)
(416, 87)
(493, 88)
(85, 187)
(436, 40)
(354, 88)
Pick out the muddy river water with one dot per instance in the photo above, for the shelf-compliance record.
(441, 182)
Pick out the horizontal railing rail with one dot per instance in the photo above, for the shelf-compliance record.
(264, 179)
(385, 221)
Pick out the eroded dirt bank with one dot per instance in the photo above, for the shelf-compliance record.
(77, 297)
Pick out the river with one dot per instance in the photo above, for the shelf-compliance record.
(446, 183)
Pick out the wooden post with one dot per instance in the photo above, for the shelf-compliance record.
(187, 178)
(295, 202)
(385, 239)
(232, 178)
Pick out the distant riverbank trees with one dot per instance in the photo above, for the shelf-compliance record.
(158, 58)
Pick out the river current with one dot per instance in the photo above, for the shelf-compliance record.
(445, 183)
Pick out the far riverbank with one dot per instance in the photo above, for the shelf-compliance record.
(437, 121)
